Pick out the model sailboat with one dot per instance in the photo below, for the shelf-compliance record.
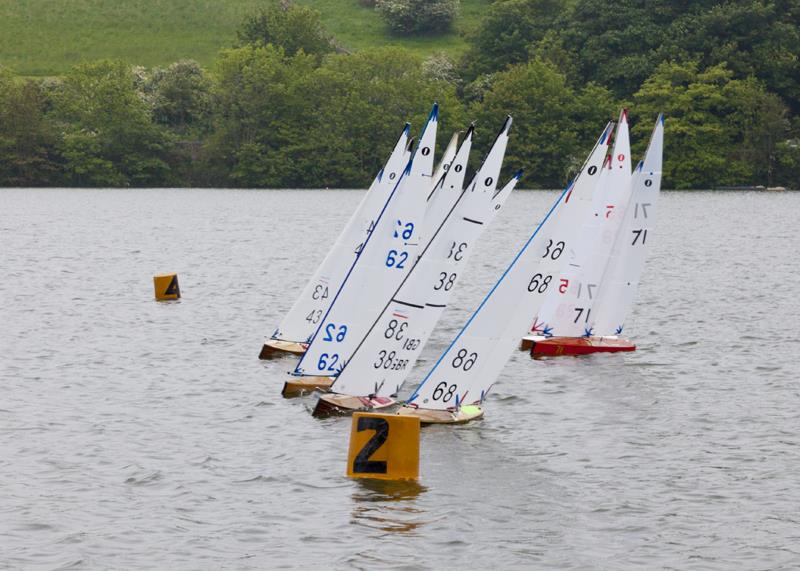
(385, 258)
(590, 315)
(455, 388)
(299, 324)
(390, 349)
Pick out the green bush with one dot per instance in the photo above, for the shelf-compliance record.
(418, 16)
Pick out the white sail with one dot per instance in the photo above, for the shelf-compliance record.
(386, 257)
(442, 196)
(579, 284)
(303, 319)
(570, 224)
(621, 280)
(466, 370)
(444, 163)
(389, 351)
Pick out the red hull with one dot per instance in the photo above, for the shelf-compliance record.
(557, 346)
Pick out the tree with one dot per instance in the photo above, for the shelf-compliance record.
(179, 96)
(507, 32)
(418, 16)
(554, 126)
(719, 130)
(361, 102)
(759, 38)
(28, 154)
(284, 122)
(285, 24)
(109, 138)
(259, 112)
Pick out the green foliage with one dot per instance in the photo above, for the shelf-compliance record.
(344, 115)
(27, 141)
(257, 101)
(787, 168)
(108, 136)
(507, 31)
(720, 131)
(362, 102)
(179, 95)
(288, 25)
(418, 16)
(554, 126)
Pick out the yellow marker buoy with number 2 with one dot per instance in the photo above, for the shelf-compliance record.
(384, 447)
(166, 287)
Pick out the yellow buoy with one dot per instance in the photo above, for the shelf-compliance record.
(384, 447)
(166, 287)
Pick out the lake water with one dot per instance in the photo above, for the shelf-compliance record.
(137, 434)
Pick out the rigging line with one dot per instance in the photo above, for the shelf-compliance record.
(488, 296)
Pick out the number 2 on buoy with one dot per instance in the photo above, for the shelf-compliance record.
(384, 446)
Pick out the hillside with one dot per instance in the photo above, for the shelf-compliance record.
(46, 37)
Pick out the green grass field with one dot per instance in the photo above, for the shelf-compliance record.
(46, 37)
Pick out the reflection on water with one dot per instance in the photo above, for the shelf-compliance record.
(388, 505)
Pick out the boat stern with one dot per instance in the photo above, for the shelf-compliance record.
(301, 386)
(276, 348)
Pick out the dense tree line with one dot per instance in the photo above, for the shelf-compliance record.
(287, 107)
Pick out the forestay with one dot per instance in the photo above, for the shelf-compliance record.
(389, 351)
(385, 258)
(464, 373)
(302, 320)
(621, 280)
(579, 285)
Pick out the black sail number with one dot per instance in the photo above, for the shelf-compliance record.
(539, 283)
(641, 233)
(457, 251)
(446, 281)
(320, 292)
(444, 392)
(554, 252)
(362, 463)
(579, 313)
(395, 331)
(464, 360)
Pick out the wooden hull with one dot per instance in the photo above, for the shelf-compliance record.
(305, 385)
(428, 416)
(341, 405)
(276, 348)
(557, 346)
(527, 342)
